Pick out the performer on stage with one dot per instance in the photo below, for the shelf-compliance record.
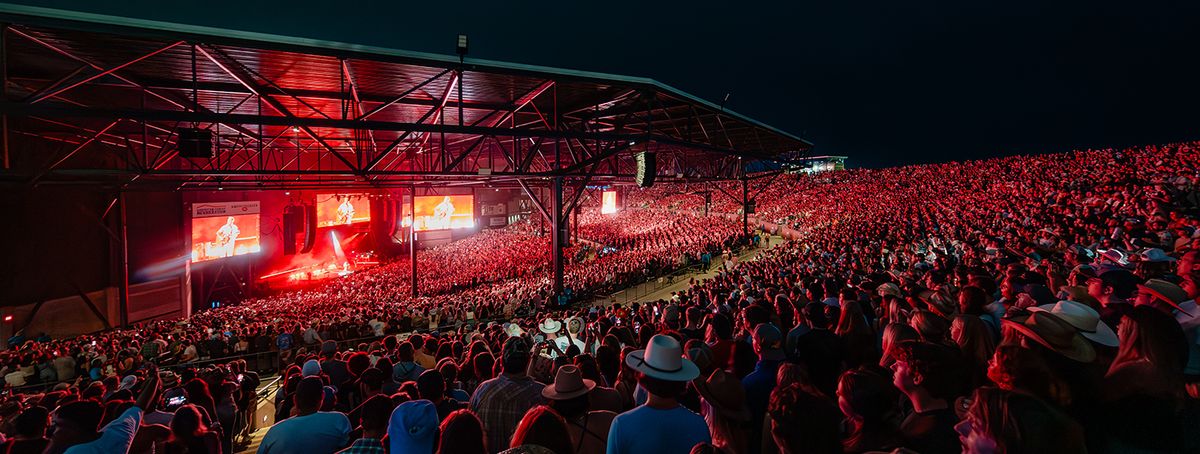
(226, 238)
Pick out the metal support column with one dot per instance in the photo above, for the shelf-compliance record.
(123, 290)
(412, 237)
(556, 235)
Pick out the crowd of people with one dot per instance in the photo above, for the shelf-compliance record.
(1022, 304)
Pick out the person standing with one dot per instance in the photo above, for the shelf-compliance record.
(664, 373)
(502, 401)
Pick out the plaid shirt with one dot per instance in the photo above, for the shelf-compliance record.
(365, 446)
(501, 403)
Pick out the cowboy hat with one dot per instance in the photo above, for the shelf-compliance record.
(568, 383)
(1170, 293)
(889, 289)
(550, 326)
(663, 359)
(512, 330)
(1053, 333)
(1114, 256)
(1083, 318)
(725, 394)
(1155, 255)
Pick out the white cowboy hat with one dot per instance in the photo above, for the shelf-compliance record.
(663, 359)
(1083, 318)
(550, 326)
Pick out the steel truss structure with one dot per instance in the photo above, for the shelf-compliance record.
(100, 101)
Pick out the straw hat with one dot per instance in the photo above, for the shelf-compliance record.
(725, 394)
(568, 383)
(1083, 318)
(1054, 334)
(663, 359)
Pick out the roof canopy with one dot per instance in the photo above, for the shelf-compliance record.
(94, 99)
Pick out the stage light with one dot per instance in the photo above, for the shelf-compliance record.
(295, 129)
(462, 45)
(8, 318)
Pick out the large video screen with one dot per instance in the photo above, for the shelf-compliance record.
(342, 209)
(224, 236)
(441, 212)
(608, 202)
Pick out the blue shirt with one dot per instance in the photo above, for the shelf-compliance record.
(646, 430)
(318, 432)
(114, 437)
(758, 385)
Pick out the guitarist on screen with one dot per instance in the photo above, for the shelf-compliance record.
(226, 237)
(345, 212)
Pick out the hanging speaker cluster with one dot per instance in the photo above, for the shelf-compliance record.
(297, 219)
(647, 168)
(293, 223)
(310, 228)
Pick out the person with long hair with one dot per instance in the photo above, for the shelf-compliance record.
(542, 427)
(189, 434)
(893, 334)
(976, 344)
(1145, 379)
(803, 423)
(1007, 422)
(870, 403)
(462, 433)
(857, 336)
(932, 327)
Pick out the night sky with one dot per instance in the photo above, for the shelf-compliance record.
(883, 82)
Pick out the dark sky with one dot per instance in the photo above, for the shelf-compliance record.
(884, 82)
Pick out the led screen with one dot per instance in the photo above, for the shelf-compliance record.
(224, 236)
(441, 212)
(342, 209)
(608, 202)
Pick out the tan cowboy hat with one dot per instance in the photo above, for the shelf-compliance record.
(568, 383)
(1053, 333)
(663, 359)
(725, 394)
(1083, 318)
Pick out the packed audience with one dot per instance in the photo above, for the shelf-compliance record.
(1022, 304)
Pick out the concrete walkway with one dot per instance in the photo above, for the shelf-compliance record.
(653, 291)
